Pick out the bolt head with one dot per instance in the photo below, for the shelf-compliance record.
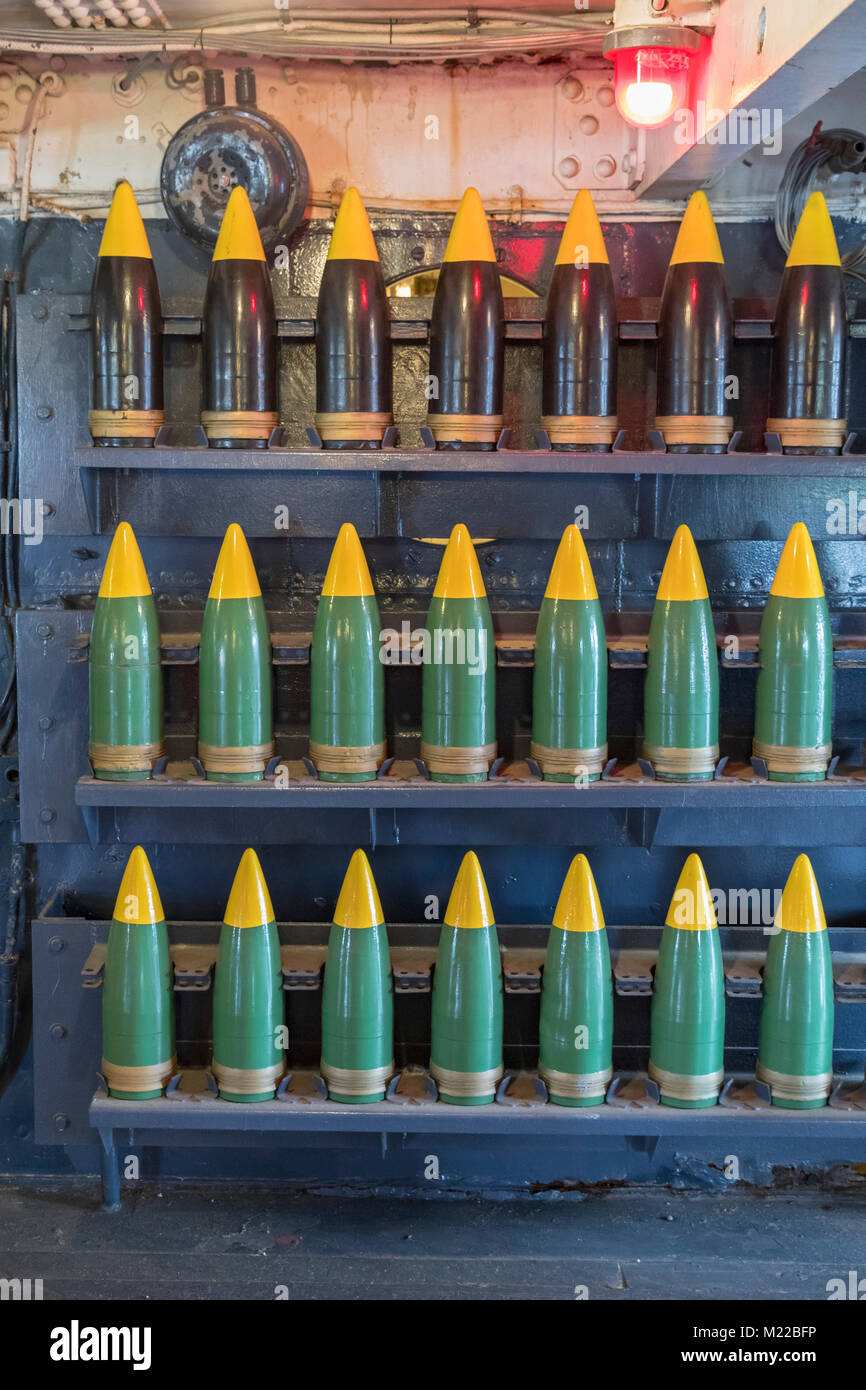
(44, 412)
(56, 945)
(40, 311)
(47, 815)
(57, 1032)
(46, 722)
(61, 1122)
(44, 630)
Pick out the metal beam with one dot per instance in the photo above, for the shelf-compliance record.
(777, 66)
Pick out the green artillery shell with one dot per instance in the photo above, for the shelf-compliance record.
(569, 690)
(794, 698)
(248, 1058)
(810, 340)
(126, 332)
(681, 695)
(235, 716)
(458, 714)
(357, 997)
(576, 1025)
(695, 335)
(125, 671)
(353, 336)
(239, 336)
(795, 1052)
(466, 1039)
(347, 687)
(467, 336)
(687, 1047)
(137, 1004)
(578, 377)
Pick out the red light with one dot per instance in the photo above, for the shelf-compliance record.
(141, 299)
(650, 83)
(363, 294)
(252, 303)
(476, 286)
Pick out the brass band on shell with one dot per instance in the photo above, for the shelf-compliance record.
(682, 762)
(570, 762)
(125, 424)
(352, 424)
(239, 424)
(801, 434)
(458, 761)
(130, 757)
(580, 1087)
(248, 1081)
(138, 1080)
(580, 429)
(677, 1086)
(253, 757)
(695, 429)
(780, 758)
(787, 1087)
(465, 429)
(351, 1082)
(331, 758)
(466, 1083)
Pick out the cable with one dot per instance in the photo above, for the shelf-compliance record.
(842, 151)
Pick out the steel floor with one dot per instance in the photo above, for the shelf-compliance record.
(181, 1242)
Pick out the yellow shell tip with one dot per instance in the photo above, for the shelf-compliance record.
(235, 574)
(124, 575)
(814, 240)
(239, 238)
(470, 238)
(459, 573)
(352, 237)
(697, 238)
(801, 909)
(358, 905)
(579, 908)
(797, 574)
(469, 903)
(347, 575)
(138, 900)
(249, 903)
(124, 234)
(571, 575)
(582, 240)
(683, 575)
(691, 907)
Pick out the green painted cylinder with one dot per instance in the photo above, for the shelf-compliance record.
(795, 1052)
(235, 697)
(357, 1014)
(125, 688)
(247, 1013)
(793, 700)
(137, 1010)
(688, 1017)
(681, 694)
(576, 1023)
(466, 1036)
(459, 688)
(569, 690)
(347, 686)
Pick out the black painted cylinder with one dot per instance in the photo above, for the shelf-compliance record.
(579, 358)
(239, 327)
(467, 345)
(695, 333)
(810, 340)
(353, 349)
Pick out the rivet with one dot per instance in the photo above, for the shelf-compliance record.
(589, 124)
(47, 815)
(572, 89)
(57, 1032)
(46, 722)
(44, 630)
(56, 944)
(61, 1122)
(569, 168)
(40, 311)
(605, 167)
(44, 412)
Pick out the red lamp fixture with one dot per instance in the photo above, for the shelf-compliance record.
(651, 71)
